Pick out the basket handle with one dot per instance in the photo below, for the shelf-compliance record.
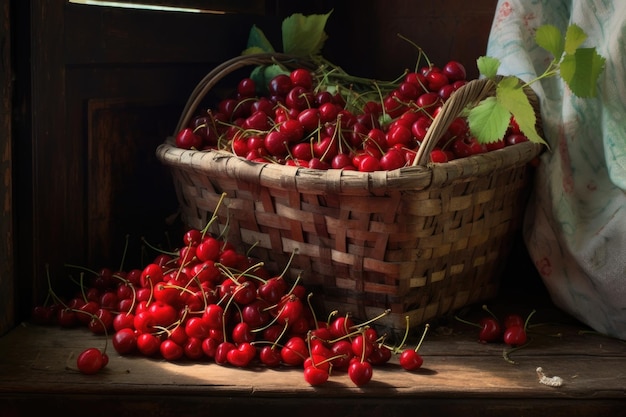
(471, 92)
(216, 74)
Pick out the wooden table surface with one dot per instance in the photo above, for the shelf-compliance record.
(460, 376)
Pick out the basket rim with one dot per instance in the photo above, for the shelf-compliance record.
(223, 164)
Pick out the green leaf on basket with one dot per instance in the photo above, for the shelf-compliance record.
(581, 70)
(488, 120)
(510, 94)
(304, 35)
(262, 75)
(257, 42)
(488, 66)
(252, 50)
(550, 38)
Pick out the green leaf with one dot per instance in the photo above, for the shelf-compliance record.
(574, 37)
(511, 96)
(262, 75)
(252, 50)
(550, 38)
(488, 121)
(581, 71)
(488, 66)
(304, 35)
(257, 42)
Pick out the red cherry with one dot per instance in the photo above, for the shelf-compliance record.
(360, 372)
(302, 77)
(270, 356)
(410, 360)
(455, 71)
(369, 163)
(515, 138)
(362, 347)
(511, 320)
(438, 156)
(290, 309)
(246, 88)
(192, 349)
(148, 344)
(515, 336)
(221, 353)
(392, 159)
(399, 134)
(294, 351)
(124, 320)
(209, 347)
(280, 85)
(342, 351)
(315, 376)
(241, 356)
(90, 361)
(492, 146)
(464, 147)
(490, 331)
(171, 350)
(188, 139)
(125, 341)
(436, 80)
(276, 143)
(380, 355)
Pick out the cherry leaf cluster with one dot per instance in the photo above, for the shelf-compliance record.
(578, 67)
(302, 36)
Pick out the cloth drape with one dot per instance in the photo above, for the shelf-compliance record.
(575, 223)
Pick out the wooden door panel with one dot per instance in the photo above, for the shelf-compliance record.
(130, 193)
(108, 86)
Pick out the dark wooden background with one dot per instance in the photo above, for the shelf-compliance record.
(88, 92)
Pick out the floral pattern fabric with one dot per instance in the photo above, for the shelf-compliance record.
(575, 223)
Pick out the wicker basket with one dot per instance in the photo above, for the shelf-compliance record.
(421, 241)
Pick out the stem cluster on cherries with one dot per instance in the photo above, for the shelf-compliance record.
(328, 119)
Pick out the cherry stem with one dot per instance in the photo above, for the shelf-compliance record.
(50, 290)
(286, 268)
(82, 286)
(124, 253)
(507, 352)
(308, 301)
(490, 312)
(254, 245)
(426, 327)
(158, 250)
(82, 268)
(419, 48)
(380, 316)
(363, 350)
(93, 316)
(528, 319)
(331, 315)
(348, 335)
(406, 334)
(467, 322)
(214, 215)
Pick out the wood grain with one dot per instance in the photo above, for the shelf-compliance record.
(458, 374)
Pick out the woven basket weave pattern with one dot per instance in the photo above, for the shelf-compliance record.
(421, 241)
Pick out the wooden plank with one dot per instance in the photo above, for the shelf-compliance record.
(41, 359)
(459, 377)
(7, 271)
